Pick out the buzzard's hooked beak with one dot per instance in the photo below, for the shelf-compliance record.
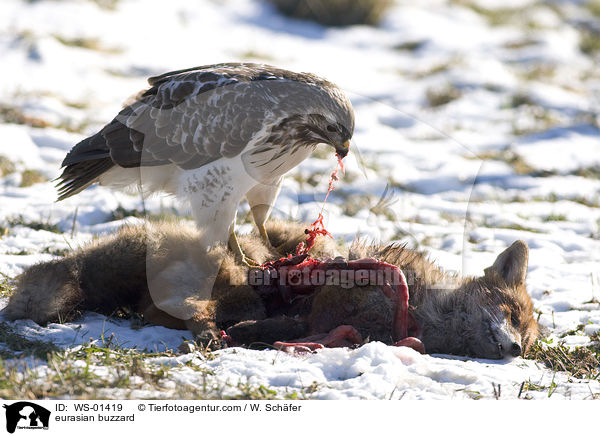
(342, 150)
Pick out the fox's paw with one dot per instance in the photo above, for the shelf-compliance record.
(186, 348)
(297, 347)
(209, 340)
(411, 342)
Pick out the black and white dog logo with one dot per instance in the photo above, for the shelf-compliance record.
(26, 415)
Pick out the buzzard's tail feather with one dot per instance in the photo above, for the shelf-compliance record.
(83, 165)
(76, 177)
(90, 148)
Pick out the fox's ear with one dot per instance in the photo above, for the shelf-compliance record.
(511, 264)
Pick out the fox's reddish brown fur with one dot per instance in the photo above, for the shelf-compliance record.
(489, 316)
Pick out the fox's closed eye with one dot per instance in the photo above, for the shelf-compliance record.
(514, 320)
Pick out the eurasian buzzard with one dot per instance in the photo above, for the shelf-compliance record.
(212, 135)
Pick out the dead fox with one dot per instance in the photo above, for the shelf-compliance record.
(489, 316)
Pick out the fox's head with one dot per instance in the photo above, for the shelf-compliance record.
(490, 316)
(504, 285)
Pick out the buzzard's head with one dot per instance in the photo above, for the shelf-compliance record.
(319, 115)
(309, 130)
(316, 129)
(308, 113)
(333, 127)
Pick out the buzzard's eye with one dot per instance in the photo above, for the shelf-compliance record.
(331, 128)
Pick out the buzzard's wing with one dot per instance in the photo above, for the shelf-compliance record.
(188, 118)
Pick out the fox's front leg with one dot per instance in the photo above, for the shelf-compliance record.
(204, 330)
(154, 315)
(266, 331)
(341, 336)
(202, 325)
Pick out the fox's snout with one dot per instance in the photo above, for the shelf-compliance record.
(506, 340)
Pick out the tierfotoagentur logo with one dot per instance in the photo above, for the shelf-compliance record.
(26, 415)
(344, 277)
(332, 272)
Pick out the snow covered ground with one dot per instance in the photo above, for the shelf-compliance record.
(476, 125)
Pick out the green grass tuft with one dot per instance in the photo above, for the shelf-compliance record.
(6, 166)
(511, 158)
(15, 343)
(520, 99)
(410, 45)
(334, 12)
(35, 225)
(121, 213)
(6, 289)
(109, 371)
(87, 43)
(589, 42)
(32, 177)
(442, 95)
(591, 172)
(15, 115)
(556, 217)
(593, 6)
(109, 5)
(579, 362)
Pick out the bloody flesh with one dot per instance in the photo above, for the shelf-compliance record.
(299, 265)
(292, 277)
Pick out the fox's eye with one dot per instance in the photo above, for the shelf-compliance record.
(514, 320)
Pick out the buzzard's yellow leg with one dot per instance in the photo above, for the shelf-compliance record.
(261, 199)
(263, 233)
(234, 246)
(260, 214)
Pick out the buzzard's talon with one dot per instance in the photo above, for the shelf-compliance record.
(250, 263)
(234, 246)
